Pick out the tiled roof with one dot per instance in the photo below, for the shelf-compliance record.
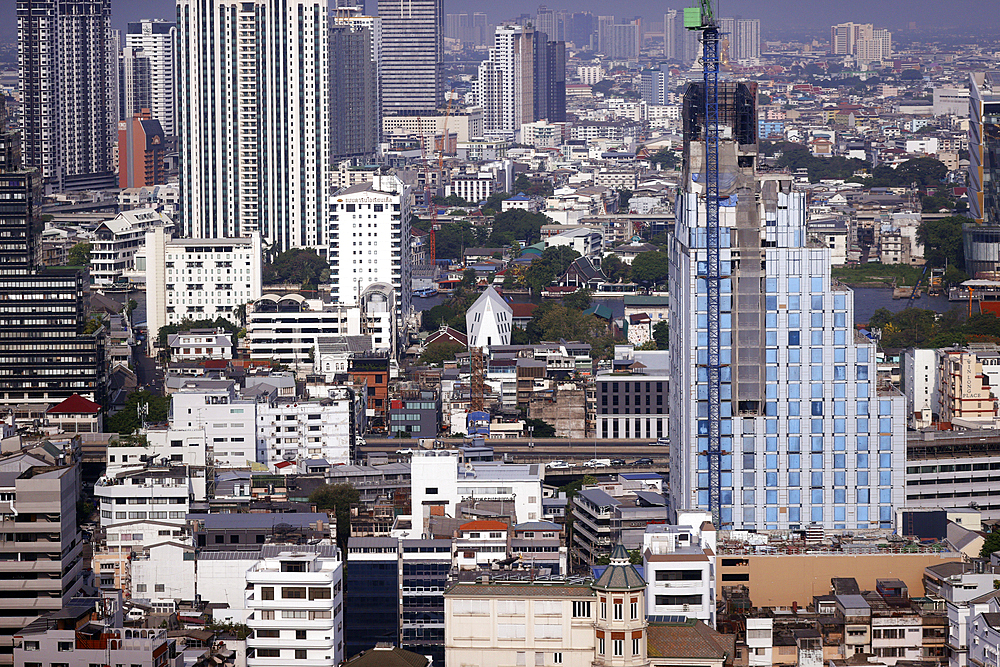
(484, 524)
(620, 574)
(75, 405)
(689, 640)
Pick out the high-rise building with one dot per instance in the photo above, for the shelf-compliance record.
(45, 356)
(551, 22)
(370, 232)
(156, 38)
(354, 85)
(68, 83)
(982, 240)
(412, 50)
(808, 434)
(746, 39)
(618, 40)
(654, 85)
(141, 147)
(254, 120)
(134, 86)
(861, 40)
(678, 43)
(581, 29)
(524, 80)
(39, 501)
(371, 592)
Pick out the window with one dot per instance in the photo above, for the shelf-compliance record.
(618, 647)
(64, 646)
(140, 588)
(581, 609)
(319, 594)
(557, 658)
(636, 646)
(159, 588)
(267, 593)
(300, 654)
(267, 615)
(268, 634)
(619, 611)
(300, 634)
(604, 610)
(30, 646)
(600, 645)
(293, 593)
(268, 653)
(634, 609)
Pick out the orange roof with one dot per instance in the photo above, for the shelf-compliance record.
(484, 524)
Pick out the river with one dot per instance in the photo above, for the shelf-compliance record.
(866, 301)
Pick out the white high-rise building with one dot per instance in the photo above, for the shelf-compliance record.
(371, 221)
(156, 39)
(253, 112)
(746, 40)
(198, 279)
(296, 599)
(862, 40)
(807, 434)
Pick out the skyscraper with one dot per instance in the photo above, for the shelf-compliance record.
(156, 39)
(524, 80)
(354, 84)
(412, 50)
(45, 356)
(982, 240)
(134, 86)
(861, 40)
(654, 85)
(68, 81)
(808, 434)
(747, 39)
(618, 40)
(678, 43)
(254, 120)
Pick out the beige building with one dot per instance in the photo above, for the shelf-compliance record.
(767, 575)
(966, 392)
(585, 624)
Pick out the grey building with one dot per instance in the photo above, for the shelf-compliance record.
(412, 49)
(248, 532)
(38, 506)
(68, 84)
(632, 401)
(89, 631)
(416, 414)
(156, 39)
(426, 564)
(354, 86)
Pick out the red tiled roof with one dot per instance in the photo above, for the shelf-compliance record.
(75, 405)
(484, 524)
(523, 309)
(688, 640)
(219, 364)
(283, 464)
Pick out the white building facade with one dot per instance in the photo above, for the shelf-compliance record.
(920, 368)
(116, 242)
(295, 596)
(302, 430)
(253, 118)
(199, 279)
(679, 566)
(156, 39)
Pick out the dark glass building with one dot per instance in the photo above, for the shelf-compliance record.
(426, 565)
(371, 593)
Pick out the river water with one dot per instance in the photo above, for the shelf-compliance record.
(866, 301)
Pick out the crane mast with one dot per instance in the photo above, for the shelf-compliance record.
(702, 19)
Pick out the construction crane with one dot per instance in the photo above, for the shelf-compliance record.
(702, 19)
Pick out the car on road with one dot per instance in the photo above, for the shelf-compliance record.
(404, 452)
(617, 462)
(558, 465)
(642, 462)
(598, 463)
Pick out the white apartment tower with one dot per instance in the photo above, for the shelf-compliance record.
(370, 234)
(295, 596)
(254, 120)
(862, 40)
(505, 88)
(156, 39)
(808, 436)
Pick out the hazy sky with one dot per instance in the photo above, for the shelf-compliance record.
(777, 14)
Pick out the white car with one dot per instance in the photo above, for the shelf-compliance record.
(560, 465)
(598, 463)
(403, 452)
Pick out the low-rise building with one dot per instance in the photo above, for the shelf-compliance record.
(196, 344)
(116, 242)
(679, 566)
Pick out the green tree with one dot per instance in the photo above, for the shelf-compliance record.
(650, 267)
(614, 269)
(578, 300)
(992, 543)
(911, 75)
(79, 255)
(542, 429)
(624, 197)
(517, 225)
(130, 306)
(538, 276)
(337, 499)
(665, 158)
(661, 334)
(126, 421)
(880, 318)
(942, 241)
(187, 325)
(540, 188)
(439, 352)
(454, 237)
(469, 279)
(562, 322)
(559, 258)
(495, 200)
(602, 87)
(298, 266)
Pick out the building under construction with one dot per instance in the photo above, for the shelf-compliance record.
(805, 435)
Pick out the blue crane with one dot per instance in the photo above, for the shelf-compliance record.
(702, 19)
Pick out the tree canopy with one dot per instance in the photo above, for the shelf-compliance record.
(992, 543)
(298, 266)
(797, 156)
(915, 327)
(187, 325)
(454, 237)
(650, 267)
(337, 498)
(126, 421)
(665, 158)
(942, 240)
(542, 429)
(79, 254)
(615, 269)
(440, 351)
(516, 225)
